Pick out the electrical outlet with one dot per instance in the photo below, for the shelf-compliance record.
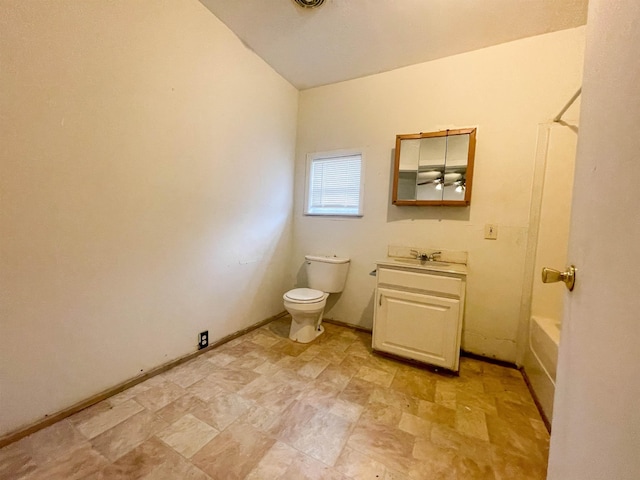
(203, 340)
(491, 231)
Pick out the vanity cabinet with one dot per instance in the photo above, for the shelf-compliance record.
(418, 314)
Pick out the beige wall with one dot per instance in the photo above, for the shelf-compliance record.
(504, 91)
(146, 175)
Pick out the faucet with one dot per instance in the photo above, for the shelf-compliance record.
(419, 256)
(424, 257)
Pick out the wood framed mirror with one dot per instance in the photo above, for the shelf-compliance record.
(435, 168)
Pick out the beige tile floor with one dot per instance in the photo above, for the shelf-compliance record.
(263, 407)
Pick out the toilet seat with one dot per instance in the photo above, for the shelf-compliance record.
(304, 295)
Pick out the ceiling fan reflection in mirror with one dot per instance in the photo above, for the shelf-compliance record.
(309, 3)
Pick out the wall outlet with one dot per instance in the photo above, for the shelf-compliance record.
(203, 340)
(491, 231)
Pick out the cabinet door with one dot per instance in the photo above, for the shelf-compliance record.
(417, 326)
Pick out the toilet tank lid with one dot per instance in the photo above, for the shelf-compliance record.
(326, 259)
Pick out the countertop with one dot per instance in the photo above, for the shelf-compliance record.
(399, 263)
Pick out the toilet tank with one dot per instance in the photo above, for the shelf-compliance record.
(326, 273)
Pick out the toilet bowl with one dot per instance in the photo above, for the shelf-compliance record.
(306, 307)
(326, 274)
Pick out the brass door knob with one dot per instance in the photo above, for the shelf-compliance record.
(549, 275)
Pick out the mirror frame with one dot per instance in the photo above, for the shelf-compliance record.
(468, 176)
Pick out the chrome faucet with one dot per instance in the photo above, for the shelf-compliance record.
(419, 256)
(424, 257)
(432, 257)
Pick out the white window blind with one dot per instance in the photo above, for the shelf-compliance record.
(335, 185)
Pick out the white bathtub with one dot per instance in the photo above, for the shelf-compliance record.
(541, 360)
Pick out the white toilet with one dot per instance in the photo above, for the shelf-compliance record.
(306, 305)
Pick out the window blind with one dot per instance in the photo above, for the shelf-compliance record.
(334, 186)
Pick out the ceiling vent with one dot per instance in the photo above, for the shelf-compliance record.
(309, 3)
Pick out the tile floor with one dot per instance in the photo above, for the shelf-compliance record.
(263, 407)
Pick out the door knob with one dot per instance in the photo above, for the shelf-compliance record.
(549, 275)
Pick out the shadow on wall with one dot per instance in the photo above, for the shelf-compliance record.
(301, 277)
(397, 213)
(570, 126)
(332, 300)
(366, 318)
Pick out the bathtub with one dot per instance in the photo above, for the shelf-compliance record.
(541, 360)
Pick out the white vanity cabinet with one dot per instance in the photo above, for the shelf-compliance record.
(418, 312)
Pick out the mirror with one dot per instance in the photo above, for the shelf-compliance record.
(434, 168)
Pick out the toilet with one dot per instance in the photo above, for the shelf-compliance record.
(325, 275)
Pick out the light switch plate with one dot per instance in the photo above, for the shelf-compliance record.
(491, 231)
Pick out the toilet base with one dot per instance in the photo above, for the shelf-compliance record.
(306, 319)
(305, 332)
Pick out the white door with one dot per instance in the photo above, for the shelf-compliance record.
(596, 423)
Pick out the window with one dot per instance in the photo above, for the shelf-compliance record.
(334, 183)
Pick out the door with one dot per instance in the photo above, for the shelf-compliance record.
(596, 424)
(418, 326)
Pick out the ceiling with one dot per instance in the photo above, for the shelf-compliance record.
(345, 39)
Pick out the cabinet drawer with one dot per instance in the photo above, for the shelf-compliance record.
(420, 281)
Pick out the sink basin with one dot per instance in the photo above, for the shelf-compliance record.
(422, 263)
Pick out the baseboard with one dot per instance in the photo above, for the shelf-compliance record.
(495, 361)
(67, 412)
(347, 325)
(547, 422)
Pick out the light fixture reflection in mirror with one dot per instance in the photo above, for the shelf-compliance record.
(309, 3)
(428, 177)
(434, 168)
